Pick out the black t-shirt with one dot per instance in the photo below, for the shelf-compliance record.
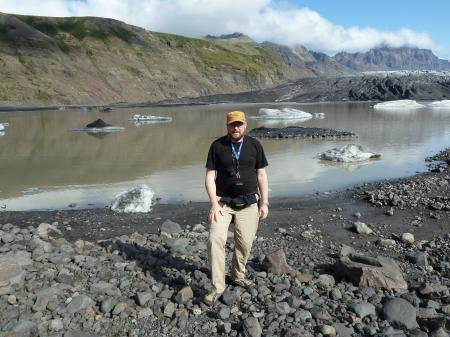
(220, 158)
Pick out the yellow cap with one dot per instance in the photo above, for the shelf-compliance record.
(235, 116)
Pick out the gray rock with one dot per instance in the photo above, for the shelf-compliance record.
(55, 325)
(77, 333)
(363, 309)
(23, 328)
(184, 295)
(12, 267)
(119, 308)
(283, 308)
(400, 313)
(335, 294)
(169, 309)
(361, 228)
(251, 327)
(46, 230)
(229, 297)
(343, 330)
(143, 298)
(418, 258)
(178, 245)
(101, 287)
(303, 315)
(7, 238)
(145, 312)
(79, 303)
(418, 333)
(107, 305)
(224, 313)
(169, 227)
(325, 281)
(276, 263)
(439, 333)
(363, 271)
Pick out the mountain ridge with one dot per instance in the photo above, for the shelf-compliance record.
(88, 60)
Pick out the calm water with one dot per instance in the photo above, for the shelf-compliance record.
(45, 165)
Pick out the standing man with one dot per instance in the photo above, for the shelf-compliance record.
(237, 187)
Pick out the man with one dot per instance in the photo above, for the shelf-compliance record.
(237, 187)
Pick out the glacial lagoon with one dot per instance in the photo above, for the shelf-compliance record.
(45, 165)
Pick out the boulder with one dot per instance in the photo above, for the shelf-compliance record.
(400, 313)
(170, 227)
(276, 263)
(98, 123)
(251, 328)
(46, 230)
(361, 228)
(363, 271)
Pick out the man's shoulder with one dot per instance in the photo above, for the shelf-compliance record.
(220, 141)
(252, 140)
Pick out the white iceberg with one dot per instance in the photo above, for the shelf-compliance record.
(282, 114)
(320, 115)
(445, 104)
(149, 119)
(135, 200)
(349, 153)
(3, 126)
(403, 104)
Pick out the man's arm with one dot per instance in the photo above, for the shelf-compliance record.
(210, 184)
(263, 185)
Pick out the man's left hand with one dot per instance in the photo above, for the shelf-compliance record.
(263, 212)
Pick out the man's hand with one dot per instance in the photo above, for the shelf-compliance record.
(214, 213)
(263, 211)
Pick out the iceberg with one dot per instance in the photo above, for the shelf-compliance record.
(135, 200)
(283, 114)
(99, 126)
(445, 104)
(2, 128)
(403, 104)
(149, 119)
(349, 153)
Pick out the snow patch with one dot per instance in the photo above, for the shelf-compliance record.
(403, 104)
(445, 104)
(135, 200)
(349, 153)
(282, 114)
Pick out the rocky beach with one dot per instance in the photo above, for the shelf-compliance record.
(372, 260)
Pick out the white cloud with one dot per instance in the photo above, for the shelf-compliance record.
(260, 19)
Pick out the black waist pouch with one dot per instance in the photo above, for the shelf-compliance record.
(243, 201)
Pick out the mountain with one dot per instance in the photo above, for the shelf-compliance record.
(387, 58)
(89, 60)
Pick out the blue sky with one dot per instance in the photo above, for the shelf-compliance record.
(327, 26)
(431, 17)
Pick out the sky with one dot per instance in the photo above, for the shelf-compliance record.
(328, 26)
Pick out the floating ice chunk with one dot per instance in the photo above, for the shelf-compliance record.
(445, 104)
(106, 129)
(149, 119)
(2, 128)
(320, 115)
(349, 153)
(283, 114)
(32, 190)
(135, 200)
(2, 133)
(403, 104)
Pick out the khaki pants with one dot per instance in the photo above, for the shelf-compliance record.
(245, 226)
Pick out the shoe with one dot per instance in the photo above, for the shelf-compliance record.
(212, 298)
(243, 282)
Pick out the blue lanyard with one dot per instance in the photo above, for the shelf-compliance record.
(237, 154)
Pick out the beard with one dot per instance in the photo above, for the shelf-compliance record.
(236, 136)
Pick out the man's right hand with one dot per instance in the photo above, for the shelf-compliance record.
(214, 213)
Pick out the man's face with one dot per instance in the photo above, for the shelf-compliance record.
(236, 130)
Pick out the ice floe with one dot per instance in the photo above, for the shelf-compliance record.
(282, 114)
(149, 119)
(3, 126)
(135, 200)
(99, 126)
(349, 153)
(445, 104)
(403, 104)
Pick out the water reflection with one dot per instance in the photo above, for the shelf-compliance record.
(39, 150)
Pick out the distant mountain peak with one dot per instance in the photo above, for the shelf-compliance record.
(385, 57)
(234, 36)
